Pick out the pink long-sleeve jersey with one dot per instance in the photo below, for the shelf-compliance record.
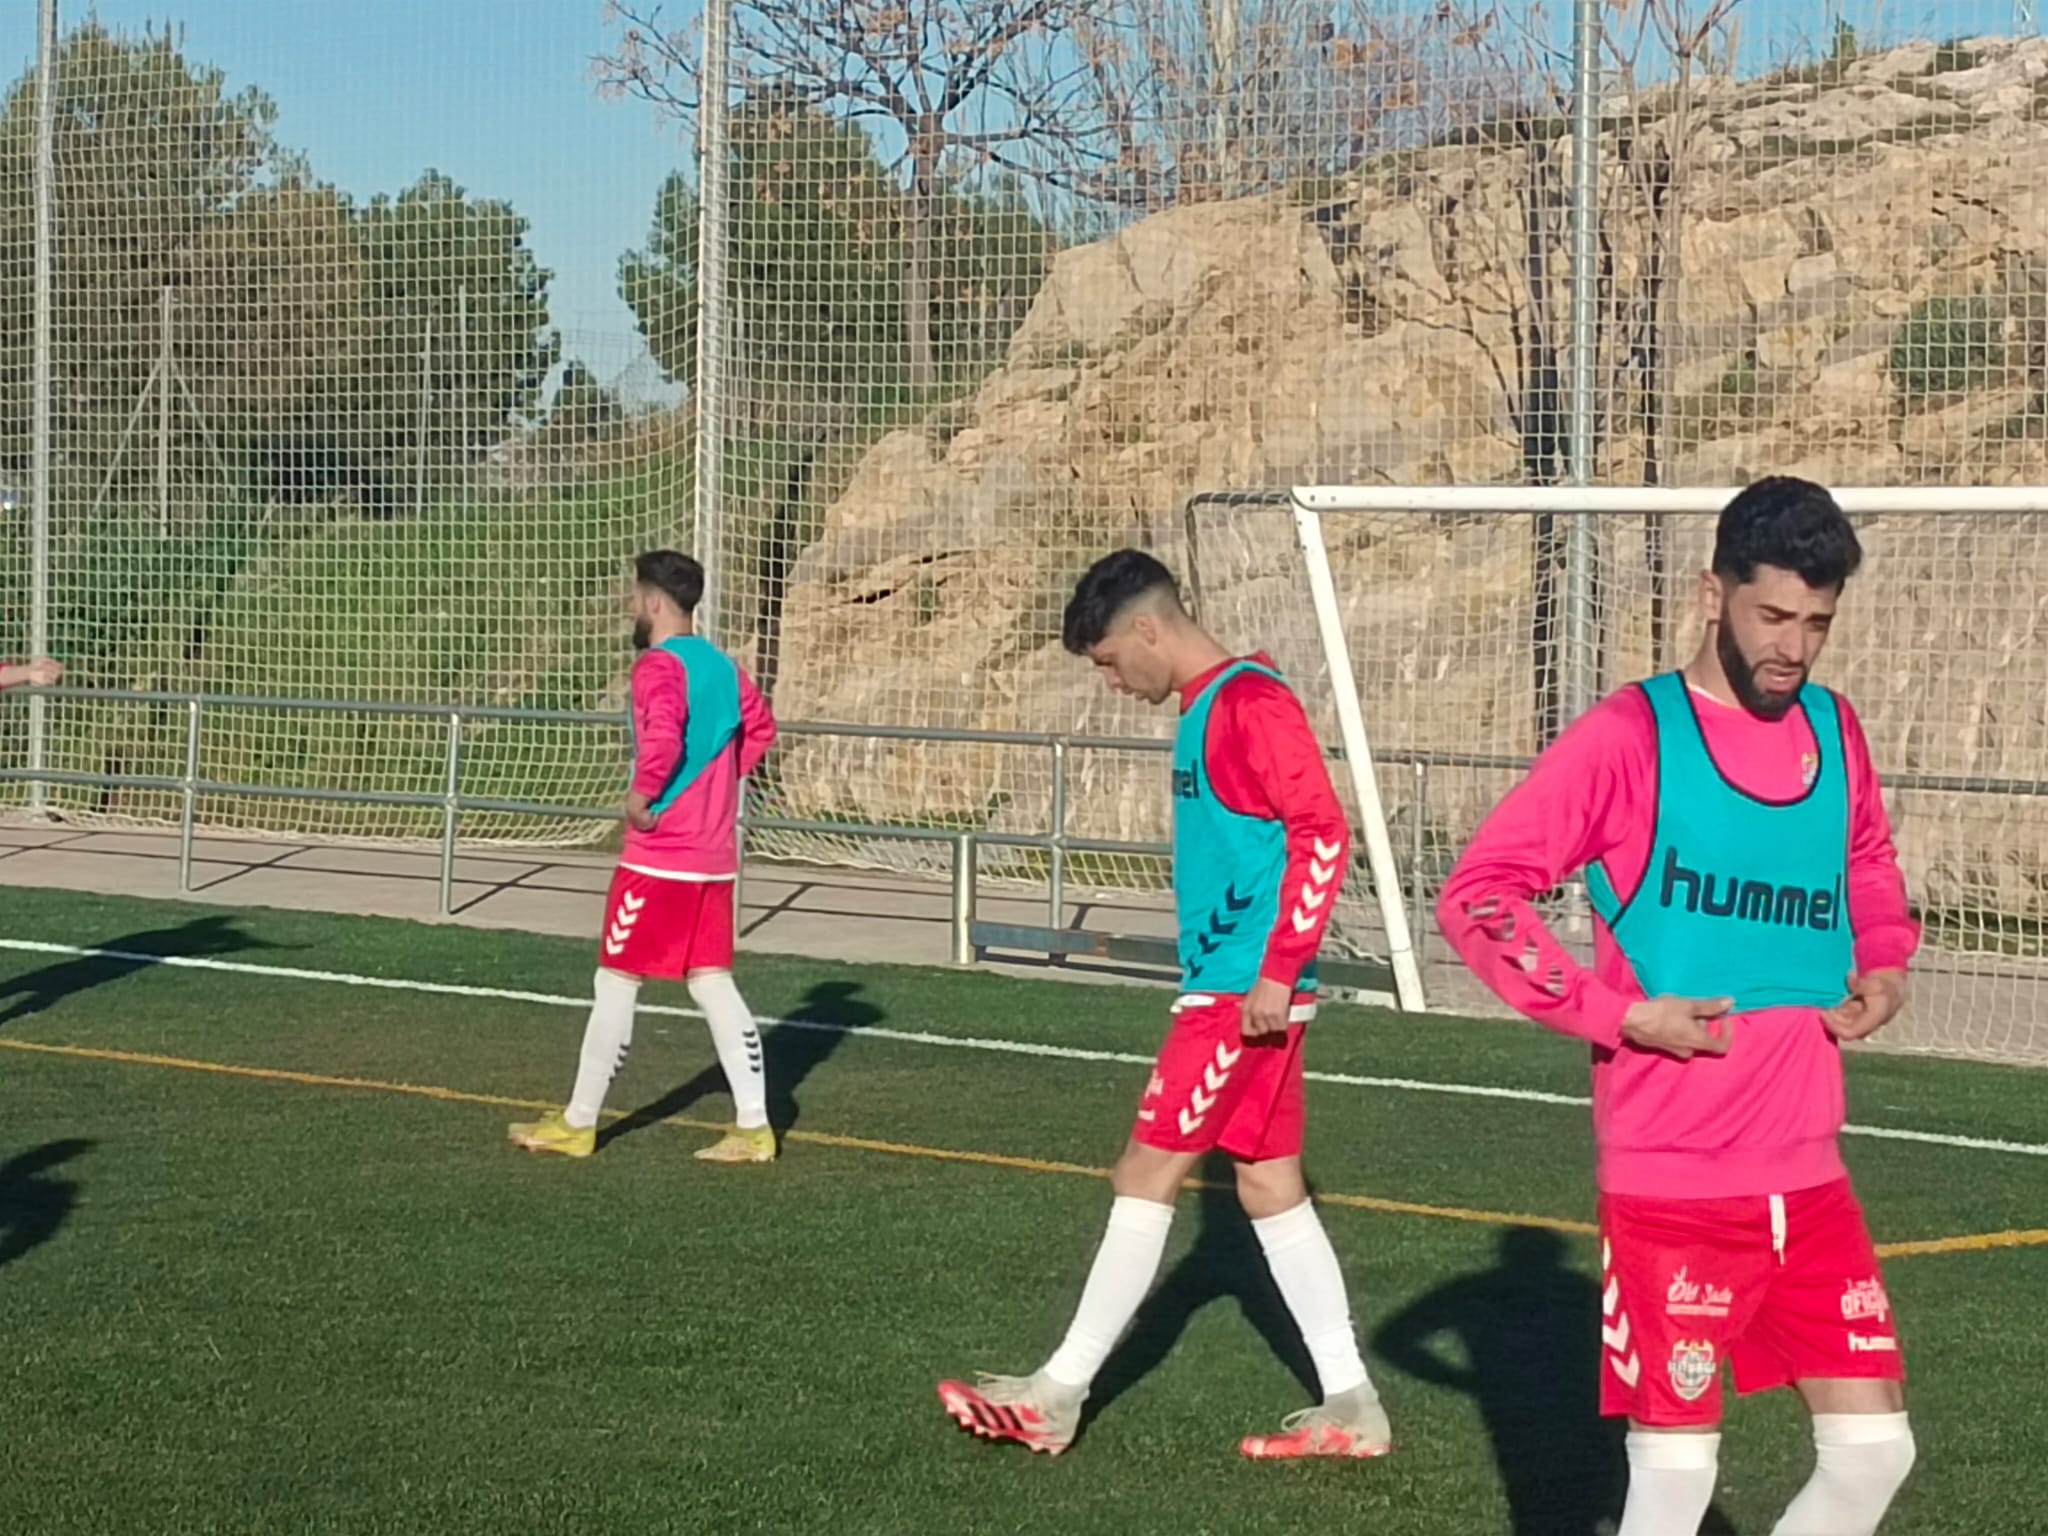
(697, 837)
(1766, 1117)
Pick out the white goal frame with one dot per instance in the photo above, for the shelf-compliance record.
(1311, 503)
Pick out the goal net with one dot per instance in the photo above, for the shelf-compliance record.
(1452, 612)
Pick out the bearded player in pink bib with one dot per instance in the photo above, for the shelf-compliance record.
(1751, 916)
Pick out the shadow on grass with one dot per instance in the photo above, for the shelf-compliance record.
(1522, 1339)
(791, 1050)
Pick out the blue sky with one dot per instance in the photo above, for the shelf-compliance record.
(499, 94)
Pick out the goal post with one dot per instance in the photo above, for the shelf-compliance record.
(1372, 814)
(1442, 642)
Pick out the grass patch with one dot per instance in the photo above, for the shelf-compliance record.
(243, 1304)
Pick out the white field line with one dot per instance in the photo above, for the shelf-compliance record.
(912, 1037)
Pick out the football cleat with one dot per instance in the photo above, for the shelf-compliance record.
(1030, 1410)
(551, 1133)
(1352, 1430)
(741, 1146)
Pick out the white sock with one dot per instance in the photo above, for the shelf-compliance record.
(1670, 1483)
(605, 1039)
(1304, 1266)
(1125, 1266)
(738, 1043)
(1861, 1462)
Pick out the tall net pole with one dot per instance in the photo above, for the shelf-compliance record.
(1580, 551)
(709, 407)
(45, 238)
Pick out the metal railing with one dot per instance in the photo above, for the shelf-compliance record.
(453, 804)
(965, 844)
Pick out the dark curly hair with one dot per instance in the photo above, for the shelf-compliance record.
(1791, 524)
(1106, 589)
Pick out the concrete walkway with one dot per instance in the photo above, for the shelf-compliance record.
(835, 914)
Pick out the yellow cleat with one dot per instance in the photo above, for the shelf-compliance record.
(551, 1133)
(741, 1146)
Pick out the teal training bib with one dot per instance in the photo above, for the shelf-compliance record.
(1742, 897)
(713, 684)
(1227, 868)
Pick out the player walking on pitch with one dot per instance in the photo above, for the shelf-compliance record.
(1260, 846)
(1752, 915)
(700, 727)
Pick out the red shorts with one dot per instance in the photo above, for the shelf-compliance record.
(665, 929)
(1212, 1088)
(1784, 1288)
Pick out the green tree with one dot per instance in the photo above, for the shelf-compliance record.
(583, 409)
(953, 87)
(154, 159)
(813, 251)
(456, 341)
(810, 267)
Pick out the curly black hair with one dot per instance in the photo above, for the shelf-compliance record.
(1106, 589)
(1791, 524)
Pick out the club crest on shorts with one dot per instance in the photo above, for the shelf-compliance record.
(1692, 1368)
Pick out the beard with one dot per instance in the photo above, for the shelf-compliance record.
(1742, 678)
(643, 634)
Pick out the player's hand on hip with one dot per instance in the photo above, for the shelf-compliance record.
(1266, 1009)
(1874, 1000)
(1684, 1027)
(638, 814)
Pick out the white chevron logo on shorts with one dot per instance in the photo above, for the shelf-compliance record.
(620, 932)
(1614, 1329)
(1215, 1076)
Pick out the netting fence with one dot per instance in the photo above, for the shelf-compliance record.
(927, 306)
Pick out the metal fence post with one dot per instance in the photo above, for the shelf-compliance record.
(965, 875)
(714, 320)
(451, 809)
(1418, 850)
(1056, 878)
(190, 811)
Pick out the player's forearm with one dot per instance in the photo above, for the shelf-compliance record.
(1887, 936)
(758, 730)
(1497, 933)
(1318, 852)
(654, 765)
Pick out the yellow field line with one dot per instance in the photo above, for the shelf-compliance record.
(1968, 1243)
(1973, 1242)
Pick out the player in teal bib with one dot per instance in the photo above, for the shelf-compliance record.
(714, 716)
(1742, 898)
(1227, 867)
(1260, 844)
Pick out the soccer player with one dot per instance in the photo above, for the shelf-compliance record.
(1751, 916)
(700, 727)
(1260, 845)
